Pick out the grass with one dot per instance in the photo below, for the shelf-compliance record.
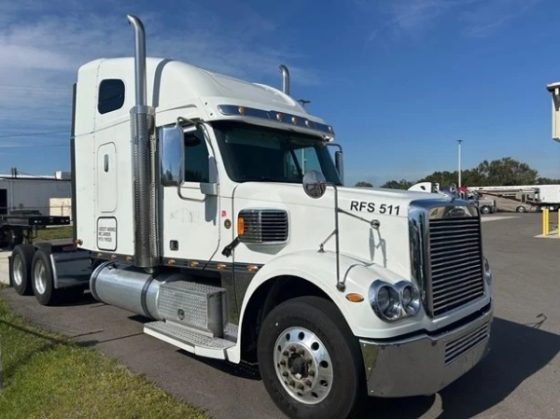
(54, 233)
(47, 376)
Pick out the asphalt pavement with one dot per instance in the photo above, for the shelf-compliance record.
(520, 377)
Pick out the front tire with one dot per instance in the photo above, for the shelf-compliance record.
(485, 210)
(310, 362)
(520, 209)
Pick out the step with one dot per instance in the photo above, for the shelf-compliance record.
(188, 339)
(197, 305)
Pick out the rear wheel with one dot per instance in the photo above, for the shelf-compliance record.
(309, 360)
(22, 257)
(521, 209)
(42, 279)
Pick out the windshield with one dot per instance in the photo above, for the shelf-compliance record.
(253, 153)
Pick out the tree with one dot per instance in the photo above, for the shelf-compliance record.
(363, 184)
(547, 181)
(502, 172)
(397, 184)
(506, 171)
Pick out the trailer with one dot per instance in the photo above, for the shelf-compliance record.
(25, 205)
(213, 207)
(22, 226)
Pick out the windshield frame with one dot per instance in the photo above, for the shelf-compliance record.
(322, 153)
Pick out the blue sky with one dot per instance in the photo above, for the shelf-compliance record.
(400, 80)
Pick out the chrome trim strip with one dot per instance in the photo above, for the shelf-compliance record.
(288, 119)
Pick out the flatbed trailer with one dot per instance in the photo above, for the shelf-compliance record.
(18, 228)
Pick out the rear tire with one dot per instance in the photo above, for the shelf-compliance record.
(22, 259)
(42, 279)
(520, 209)
(310, 362)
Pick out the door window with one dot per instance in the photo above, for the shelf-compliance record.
(196, 158)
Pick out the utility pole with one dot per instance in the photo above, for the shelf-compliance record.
(459, 143)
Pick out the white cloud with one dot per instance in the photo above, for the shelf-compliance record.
(476, 18)
(41, 51)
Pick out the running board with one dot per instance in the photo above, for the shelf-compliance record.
(188, 339)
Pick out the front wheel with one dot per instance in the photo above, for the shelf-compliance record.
(309, 360)
(520, 209)
(485, 210)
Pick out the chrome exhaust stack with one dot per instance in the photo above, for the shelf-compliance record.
(142, 118)
(285, 79)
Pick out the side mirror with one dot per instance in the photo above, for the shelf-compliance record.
(338, 160)
(554, 89)
(171, 153)
(314, 184)
(339, 163)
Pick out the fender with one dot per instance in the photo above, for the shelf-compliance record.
(357, 276)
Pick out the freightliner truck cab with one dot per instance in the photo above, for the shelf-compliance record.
(214, 207)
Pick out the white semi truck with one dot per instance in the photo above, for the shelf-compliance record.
(192, 208)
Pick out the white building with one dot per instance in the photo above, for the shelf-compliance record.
(33, 193)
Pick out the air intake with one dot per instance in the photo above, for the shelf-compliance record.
(264, 226)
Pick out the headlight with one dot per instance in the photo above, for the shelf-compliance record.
(410, 297)
(385, 301)
(392, 302)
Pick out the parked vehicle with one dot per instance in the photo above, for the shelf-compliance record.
(486, 206)
(21, 226)
(522, 198)
(212, 206)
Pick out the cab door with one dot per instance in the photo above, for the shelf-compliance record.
(190, 211)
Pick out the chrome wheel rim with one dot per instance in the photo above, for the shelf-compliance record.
(40, 276)
(17, 273)
(303, 365)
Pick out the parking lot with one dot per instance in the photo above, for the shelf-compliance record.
(520, 378)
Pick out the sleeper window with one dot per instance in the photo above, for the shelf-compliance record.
(111, 95)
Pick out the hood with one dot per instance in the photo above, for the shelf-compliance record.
(311, 221)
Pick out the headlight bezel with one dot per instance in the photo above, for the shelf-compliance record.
(394, 310)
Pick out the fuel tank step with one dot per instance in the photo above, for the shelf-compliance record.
(188, 339)
(195, 305)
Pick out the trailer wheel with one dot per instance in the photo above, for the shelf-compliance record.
(42, 279)
(22, 257)
(309, 360)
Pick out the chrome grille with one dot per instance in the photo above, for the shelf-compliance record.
(265, 225)
(459, 346)
(455, 263)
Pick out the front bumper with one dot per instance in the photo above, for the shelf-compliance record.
(423, 365)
